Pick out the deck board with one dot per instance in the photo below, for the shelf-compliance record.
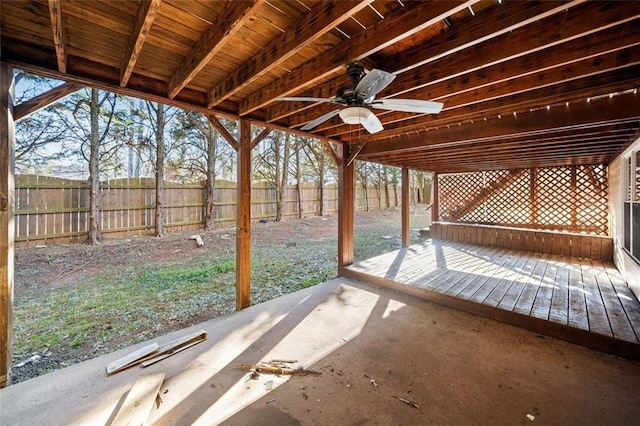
(579, 299)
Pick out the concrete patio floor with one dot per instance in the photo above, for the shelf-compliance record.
(372, 346)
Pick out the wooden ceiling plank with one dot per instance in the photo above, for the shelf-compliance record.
(317, 22)
(414, 17)
(59, 34)
(234, 16)
(571, 91)
(223, 131)
(573, 24)
(490, 24)
(584, 114)
(146, 14)
(43, 100)
(530, 82)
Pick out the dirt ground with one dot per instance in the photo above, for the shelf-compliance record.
(47, 270)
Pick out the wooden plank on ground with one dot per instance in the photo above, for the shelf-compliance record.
(508, 301)
(138, 404)
(131, 359)
(480, 280)
(577, 304)
(174, 346)
(475, 264)
(560, 300)
(620, 325)
(597, 314)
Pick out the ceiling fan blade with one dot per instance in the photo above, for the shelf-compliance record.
(409, 105)
(372, 83)
(372, 124)
(306, 99)
(310, 125)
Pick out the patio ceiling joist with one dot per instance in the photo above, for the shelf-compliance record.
(494, 22)
(414, 17)
(146, 14)
(320, 20)
(235, 15)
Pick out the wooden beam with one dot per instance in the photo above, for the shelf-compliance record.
(346, 208)
(146, 14)
(332, 153)
(576, 115)
(578, 58)
(355, 152)
(7, 225)
(234, 16)
(243, 218)
(472, 31)
(45, 99)
(260, 137)
(315, 23)
(414, 17)
(406, 201)
(59, 36)
(223, 131)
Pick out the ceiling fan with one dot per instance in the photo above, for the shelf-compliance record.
(359, 94)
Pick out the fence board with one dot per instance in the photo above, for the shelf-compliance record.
(56, 210)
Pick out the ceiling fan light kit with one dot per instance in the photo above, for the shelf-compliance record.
(355, 115)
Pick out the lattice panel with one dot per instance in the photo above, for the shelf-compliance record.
(554, 198)
(559, 199)
(592, 213)
(509, 205)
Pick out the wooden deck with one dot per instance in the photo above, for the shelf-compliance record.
(580, 300)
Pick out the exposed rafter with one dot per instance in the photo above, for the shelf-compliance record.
(320, 20)
(492, 23)
(412, 18)
(59, 36)
(585, 115)
(146, 14)
(223, 131)
(234, 15)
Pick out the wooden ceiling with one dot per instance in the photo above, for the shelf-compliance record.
(523, 83)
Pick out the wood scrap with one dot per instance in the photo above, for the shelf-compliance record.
(139, 401)
(131, 359)
(153, 353)
(406, 401)
(265, 368)
(175, 346)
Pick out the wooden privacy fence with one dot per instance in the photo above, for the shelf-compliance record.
(54, 210)
(570, 199)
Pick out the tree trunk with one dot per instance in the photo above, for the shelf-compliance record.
(159, 171)
(321, 179)
(366, 195)
(387, 199)
(282, 183)
(210, 213)
(94, 236)
(298, 177)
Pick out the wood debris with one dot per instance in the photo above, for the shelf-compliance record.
(406, 401)
(153, 353)
(277, 367)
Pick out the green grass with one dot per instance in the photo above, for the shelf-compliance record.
(122, 306)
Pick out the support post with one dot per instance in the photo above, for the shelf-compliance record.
(406, 201)
(434, 199)
(243, 218)
(345, 208)
(7, 227)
